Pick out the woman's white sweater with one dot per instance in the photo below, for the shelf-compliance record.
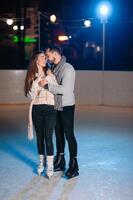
(39, 96)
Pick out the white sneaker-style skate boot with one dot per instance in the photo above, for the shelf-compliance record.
(41, 165)
(50, 166)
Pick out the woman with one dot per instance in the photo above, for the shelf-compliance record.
(41, 110)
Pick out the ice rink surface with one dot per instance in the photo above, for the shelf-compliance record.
(105, 154)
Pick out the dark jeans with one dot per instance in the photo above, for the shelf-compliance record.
(65, 128)
(44, 118)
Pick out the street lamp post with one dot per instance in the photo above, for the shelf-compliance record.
(104, 15)
(104, 11)
(103, 44)
(50, 21)
(52, 26)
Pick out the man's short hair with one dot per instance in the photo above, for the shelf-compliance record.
(54, 48)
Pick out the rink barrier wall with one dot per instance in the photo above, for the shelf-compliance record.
(113, 88)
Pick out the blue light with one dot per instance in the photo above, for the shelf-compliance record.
(104, 9)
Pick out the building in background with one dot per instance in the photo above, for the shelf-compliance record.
(19, 40)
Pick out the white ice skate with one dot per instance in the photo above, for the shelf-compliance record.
(50, 166)
(40, 168)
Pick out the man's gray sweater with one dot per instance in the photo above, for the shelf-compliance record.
(66, 85)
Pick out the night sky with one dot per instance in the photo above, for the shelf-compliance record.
(122, 9)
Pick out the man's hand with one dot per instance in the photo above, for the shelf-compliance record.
(43, 82)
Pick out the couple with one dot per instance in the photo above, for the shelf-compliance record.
(52, 106)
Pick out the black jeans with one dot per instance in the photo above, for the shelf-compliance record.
(44, 118)
(65, 128)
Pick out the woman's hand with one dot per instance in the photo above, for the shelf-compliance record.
(43, 82)
(49, 72)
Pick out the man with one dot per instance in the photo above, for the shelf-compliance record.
(65, 106)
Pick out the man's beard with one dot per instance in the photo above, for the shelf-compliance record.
(52, 61)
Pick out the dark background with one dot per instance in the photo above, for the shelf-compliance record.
(70, 15)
